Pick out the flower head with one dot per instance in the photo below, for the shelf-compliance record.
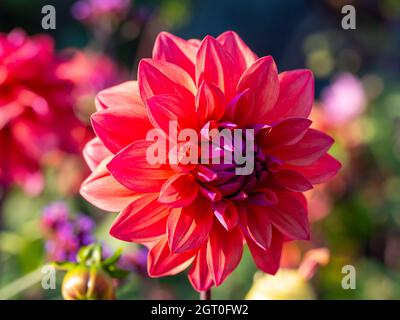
(200, 214)
(36, 114)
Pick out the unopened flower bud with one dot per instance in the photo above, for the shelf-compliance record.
(87, 283)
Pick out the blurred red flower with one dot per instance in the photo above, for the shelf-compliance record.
(36, 114)
(90, 72)
(201, 215)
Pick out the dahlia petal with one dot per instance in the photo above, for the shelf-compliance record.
(132, 169)
(309, 149)
(124, 95)
(95, 152)
(296, 95)
(143, 219)
(205, 174)
(261, 78)
(215, 65)
(118, 127)
(241, 53)
(210, 192)
(160, 77)
(242, 109)
(286, 132)
(178, 191)
(178, 51)
(162, 262)
(226, 213)
(210, 102)
(165, 108)
(255, 224)
(321, 170)
(188, 228)
(268, 260)
(103, 191)
(10, 110)
(199, 275)
(292, 180)
(264, 197)
(289, 216)
(224, 251)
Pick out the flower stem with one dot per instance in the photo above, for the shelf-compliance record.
(205, 295)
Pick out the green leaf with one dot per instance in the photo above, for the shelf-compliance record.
(65, 266)
(113, 259)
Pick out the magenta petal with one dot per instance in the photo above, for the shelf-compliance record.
(313, 146)
(268, 260)
(321, 170)
(261, 78)
(289, 216)
(226, 213)
(296, 95)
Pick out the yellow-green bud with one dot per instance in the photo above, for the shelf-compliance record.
(87, 283)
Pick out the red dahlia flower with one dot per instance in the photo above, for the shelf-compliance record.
(201, 215)
(36, 114)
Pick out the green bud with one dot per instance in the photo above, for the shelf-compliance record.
(87, 283)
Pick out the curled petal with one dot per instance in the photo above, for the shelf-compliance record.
(241, 53)
(210, 102)
(160, 77)
(261, 78)
(178, 51)
(133, 170)
(224, 251)
(292, 180)
(226, 213)
(309, 149)
(189, 227)
(199, 274)
(165, 108)
(162, 262)
(320, 170)
(178, 191)
(268, 260)
(296, 95)
(289, 216)
(215, 65)
(286, 132)
(144, 219)
(255, 224)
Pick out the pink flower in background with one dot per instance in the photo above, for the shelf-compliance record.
(90, 72)
(36, 114)
(199, 216)
(92, 10)
(344, 99)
